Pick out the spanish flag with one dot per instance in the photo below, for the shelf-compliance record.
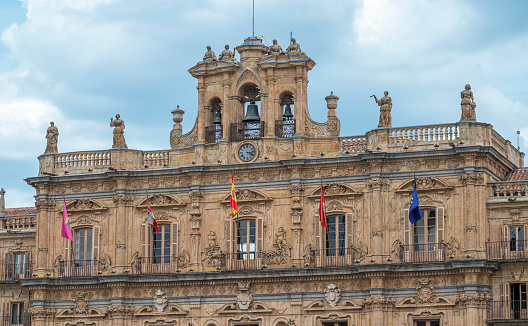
(233, 200)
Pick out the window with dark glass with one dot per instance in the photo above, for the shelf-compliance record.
(17, 313)
(425, 231)
(335, 235)
(435, 322)
(246, 239)
(83, 248)
(339, 323)
(161, 244)
(19, 263)
(518, 299)
(516, 238)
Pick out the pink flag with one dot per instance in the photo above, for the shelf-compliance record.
(65, 227)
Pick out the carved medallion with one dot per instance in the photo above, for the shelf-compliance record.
(160, 300)
(332, 294)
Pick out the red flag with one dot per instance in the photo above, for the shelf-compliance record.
(233, 200)
(322, 210)
(151, 219)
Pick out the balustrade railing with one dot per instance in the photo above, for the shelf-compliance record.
(431, 134)
(285, 128)
(15, 271)
(353, 144)
(16, 320)
(336, 257)
(510, 310)
(18, 223)
(246, 130)
(83, 159)
(508, 189)
(423, 252)
(213, 134)
(507, 250)
(156, 265)
(78, 268)
(155, 159)
(242, 261)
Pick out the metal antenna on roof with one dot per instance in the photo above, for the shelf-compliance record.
(518, 134)
(291, 35)
(253, 18)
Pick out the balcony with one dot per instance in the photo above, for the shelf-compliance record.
(13, 272)
(213, 134)
(16, 320)
(423, 253)
(285, 128)
(338, 257)
(507, 250)
(78, 268)
(513, 311)
(246, 130)
(243, 261)
(157, 265)
(12, 223)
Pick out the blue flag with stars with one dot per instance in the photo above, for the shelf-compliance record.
(414, 210)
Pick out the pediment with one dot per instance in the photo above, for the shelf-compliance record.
(344, 304)
(424, 184)
(335, 190)
(160, 200)
(256, 307)
(151, 310)
(84, 205)
(248, 195)
(248, 76)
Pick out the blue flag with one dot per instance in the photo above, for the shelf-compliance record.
(414, 210)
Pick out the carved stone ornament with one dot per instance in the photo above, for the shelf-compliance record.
(332, 294)
(244, 298)
(80, 302)
(425, 291)
(160, 300)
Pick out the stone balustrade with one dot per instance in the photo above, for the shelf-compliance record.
(82, 159)
(352, 144)
(18, 223)
(425, 134)
(508, 189)
(155, 159)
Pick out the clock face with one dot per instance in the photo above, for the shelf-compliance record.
(247, 152)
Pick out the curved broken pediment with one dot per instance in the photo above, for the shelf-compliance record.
(345, 304)
(248, 195)
(84, 205)
(424, 184)
(333, 190)
(160, 200)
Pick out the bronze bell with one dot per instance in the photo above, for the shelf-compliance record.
(218, 118)
(288, 115)
(252, 114)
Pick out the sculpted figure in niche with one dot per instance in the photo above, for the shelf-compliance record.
(119, 132)
(227, 55)
(209, 56)
(52, 138)
(385, 104)
(294, 48)
(467, 105)
(280, 240)
(275, 49)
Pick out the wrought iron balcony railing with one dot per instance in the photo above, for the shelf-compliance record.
(16, 320)
(157, 265)
(507, 250)
(242, 261)
(511, 310)
(423, 252)
(285, 128)
(78, 268)
(336, 257)
(246, 130)
(13, 272)
(213, 134)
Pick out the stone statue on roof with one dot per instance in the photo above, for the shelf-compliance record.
(209, 56)
(275, 49)
(294, 48)
(385, 103)
(467, 105)
(119, 132)
(52, 138)
(226, 55)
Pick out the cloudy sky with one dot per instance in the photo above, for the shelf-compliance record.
(80, 62)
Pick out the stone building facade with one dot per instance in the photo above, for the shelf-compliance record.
(274, 265)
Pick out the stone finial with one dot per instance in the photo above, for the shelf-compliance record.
(177, 117)
(2, 202)
(52, 138)
(331, 104)
(467, 105)
(385, 104)
(119, 132)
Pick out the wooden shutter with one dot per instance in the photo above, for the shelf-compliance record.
(260, 235)
(229, 235)
(349, 230)
(505, 296)
(96, 234)
(68, 254)
(407, 235)
(505, 242)
(318, 234)
(28, 267)
(9, 267)
(440, 224)
(525, 242)
(174, 240)
(7, 313)
(143, 237)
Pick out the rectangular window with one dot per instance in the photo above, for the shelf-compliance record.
(335, 235)
(161, 244)
(339, 323)
(427, 323)
(19, 263)
(17, 313)
(516, 238)
(83, 248)
(425, 231)
(246, 239)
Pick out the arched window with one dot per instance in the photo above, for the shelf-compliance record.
(285, 127)
(214, 130)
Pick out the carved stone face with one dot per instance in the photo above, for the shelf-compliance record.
(274, 42)
(117, 116)
(386, 93)
(468, 87)
(227, 47)
(208, 48)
